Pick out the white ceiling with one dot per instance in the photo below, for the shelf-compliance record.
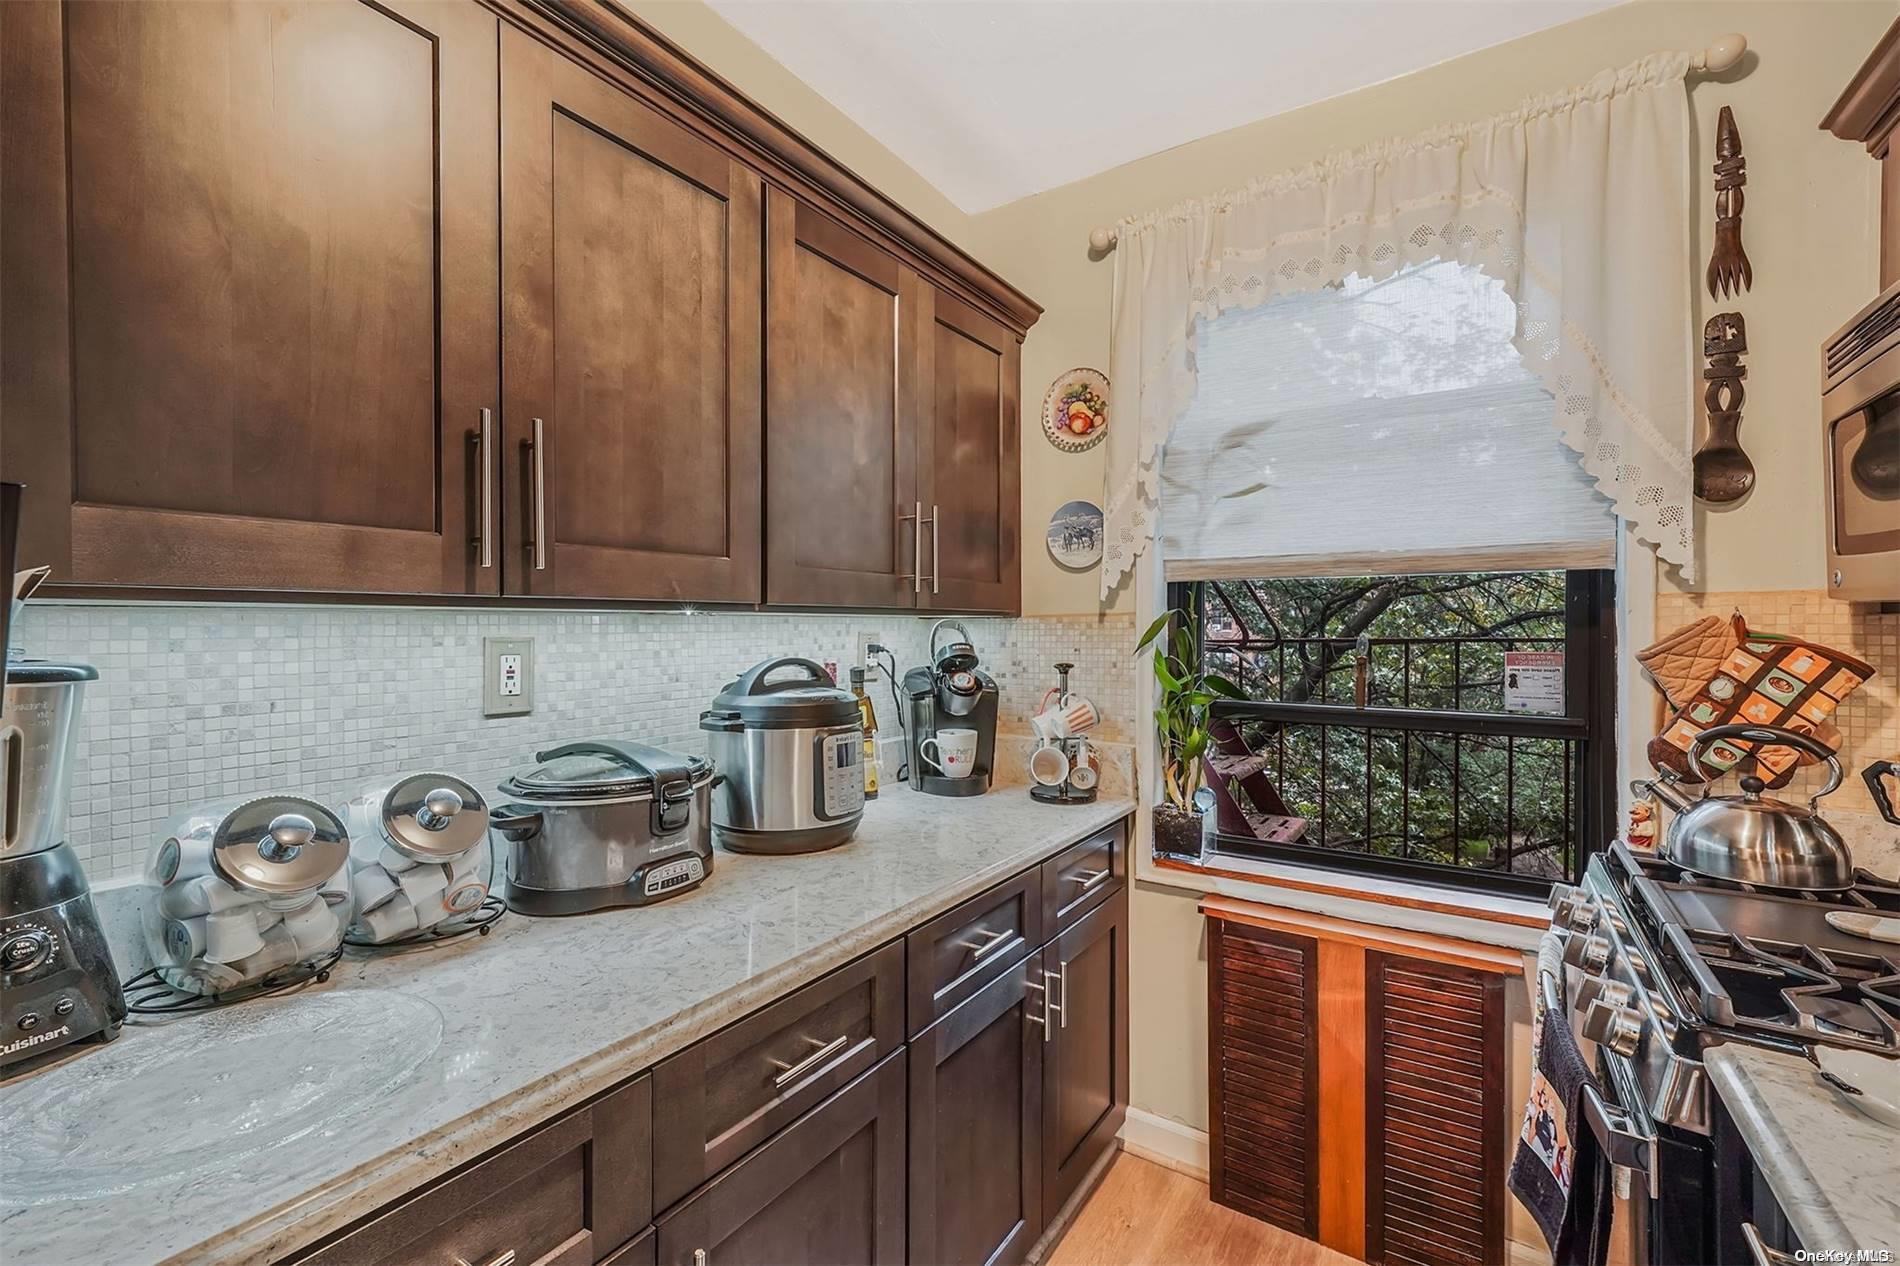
(993, 100)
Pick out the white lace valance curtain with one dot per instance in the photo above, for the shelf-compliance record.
(1578, 204)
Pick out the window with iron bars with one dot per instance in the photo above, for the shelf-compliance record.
(1384, 728)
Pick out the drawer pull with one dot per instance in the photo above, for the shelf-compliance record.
(790, 1073)
(1050, 1007)
(989, 943)
(1090, 879)
(699, 1257)
(500, 1259)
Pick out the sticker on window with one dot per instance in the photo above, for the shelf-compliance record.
(1533, 681)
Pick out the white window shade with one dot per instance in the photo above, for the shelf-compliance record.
(1374, 427)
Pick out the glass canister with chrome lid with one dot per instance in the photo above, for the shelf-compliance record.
(420, 861)
(240, 891)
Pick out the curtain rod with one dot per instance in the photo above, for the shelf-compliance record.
(1718, 57)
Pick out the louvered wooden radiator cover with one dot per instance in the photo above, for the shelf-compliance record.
(1434, 1112)
(1263, 1077)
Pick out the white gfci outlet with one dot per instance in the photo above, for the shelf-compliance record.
(507, 676)
(863, 660)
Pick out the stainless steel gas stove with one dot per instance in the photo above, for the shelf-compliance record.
(1661, 965)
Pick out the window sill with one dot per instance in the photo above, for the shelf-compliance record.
(1490, 918)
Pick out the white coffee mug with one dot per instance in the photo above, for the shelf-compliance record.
(1049, 765)
(1086, 768)
(955, 753)
(1064, 718)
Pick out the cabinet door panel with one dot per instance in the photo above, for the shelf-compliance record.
(1435, 1119)
(631, 258)
(279, 291)
(1085, 1074)
(1263, 1079)
(976, 1126)
(971, 462)
(841, 431)
(829, 1191)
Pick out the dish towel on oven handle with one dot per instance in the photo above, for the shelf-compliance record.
(1560, 1173)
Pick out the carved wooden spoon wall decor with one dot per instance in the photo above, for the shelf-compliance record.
(1723, 472)
(1729, 272)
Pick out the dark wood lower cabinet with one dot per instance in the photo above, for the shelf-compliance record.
(1435, 1157)
(1085, 1064)
(1357, 1081)
(976, 1138)
(829, 1191)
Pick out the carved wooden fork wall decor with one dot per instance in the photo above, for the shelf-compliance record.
(1729, 273)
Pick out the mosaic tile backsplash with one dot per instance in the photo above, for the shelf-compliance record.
(1869, 719)
(198, 703)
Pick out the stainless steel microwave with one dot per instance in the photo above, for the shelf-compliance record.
(1860, 438)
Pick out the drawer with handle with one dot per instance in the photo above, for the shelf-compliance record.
(1081, 877)
(726, 1094)
(566, 1194)
(957, 953)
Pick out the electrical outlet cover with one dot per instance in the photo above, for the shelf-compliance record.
(507, 699)
(871, 670)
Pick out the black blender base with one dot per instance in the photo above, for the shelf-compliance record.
(1062, 795)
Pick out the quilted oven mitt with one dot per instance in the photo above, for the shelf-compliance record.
(1761, 679)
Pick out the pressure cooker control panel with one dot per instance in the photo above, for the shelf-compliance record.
(840, 790)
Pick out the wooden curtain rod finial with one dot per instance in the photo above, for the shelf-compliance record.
(1101, 239)
(1720, 56)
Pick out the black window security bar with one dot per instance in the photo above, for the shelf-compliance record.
(1428, 778)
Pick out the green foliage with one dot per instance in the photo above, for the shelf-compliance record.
(1435, 642)
(1188, 691)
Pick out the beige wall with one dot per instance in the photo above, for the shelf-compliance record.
(1809, 229)
(710, 38)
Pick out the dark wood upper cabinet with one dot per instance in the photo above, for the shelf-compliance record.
(841, 369)
(632, 268)
(976, 1130)
(1085, 1066)
(251, 291)
(969, 464)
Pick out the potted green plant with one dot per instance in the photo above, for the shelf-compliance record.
(1182, 717)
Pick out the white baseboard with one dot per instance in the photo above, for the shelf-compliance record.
(1166, 1142)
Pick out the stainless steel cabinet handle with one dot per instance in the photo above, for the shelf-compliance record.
(1049, 1003)
(500, 1259)
(936, 539)
(486, 455)
(538, 450)
(1042, 1019)
(1062, 979)
(988, 942)
(790, 1073)
(916, 573)
(1763, 1255)
(699, 1257)
(1090, 879)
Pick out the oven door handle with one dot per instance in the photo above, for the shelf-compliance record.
(1627, 1136)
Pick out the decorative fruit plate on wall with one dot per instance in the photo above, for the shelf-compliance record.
(1075, 412)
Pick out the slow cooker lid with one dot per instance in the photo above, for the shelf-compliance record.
(603, 769)
(806, 701)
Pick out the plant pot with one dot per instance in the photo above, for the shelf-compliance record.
(1177, 831)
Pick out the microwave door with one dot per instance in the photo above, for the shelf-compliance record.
(1864, 456)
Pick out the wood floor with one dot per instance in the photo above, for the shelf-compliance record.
(1146, 1215)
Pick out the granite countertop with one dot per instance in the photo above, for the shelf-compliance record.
(1835, 1171)
(533, 1019)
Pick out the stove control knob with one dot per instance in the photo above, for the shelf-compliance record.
(1563, 899)
(1589, 953)
(1618, 1028)
(1603, 989)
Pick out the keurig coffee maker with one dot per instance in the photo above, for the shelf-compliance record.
(950, 718)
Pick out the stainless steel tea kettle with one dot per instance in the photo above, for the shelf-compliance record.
(1752, 838)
